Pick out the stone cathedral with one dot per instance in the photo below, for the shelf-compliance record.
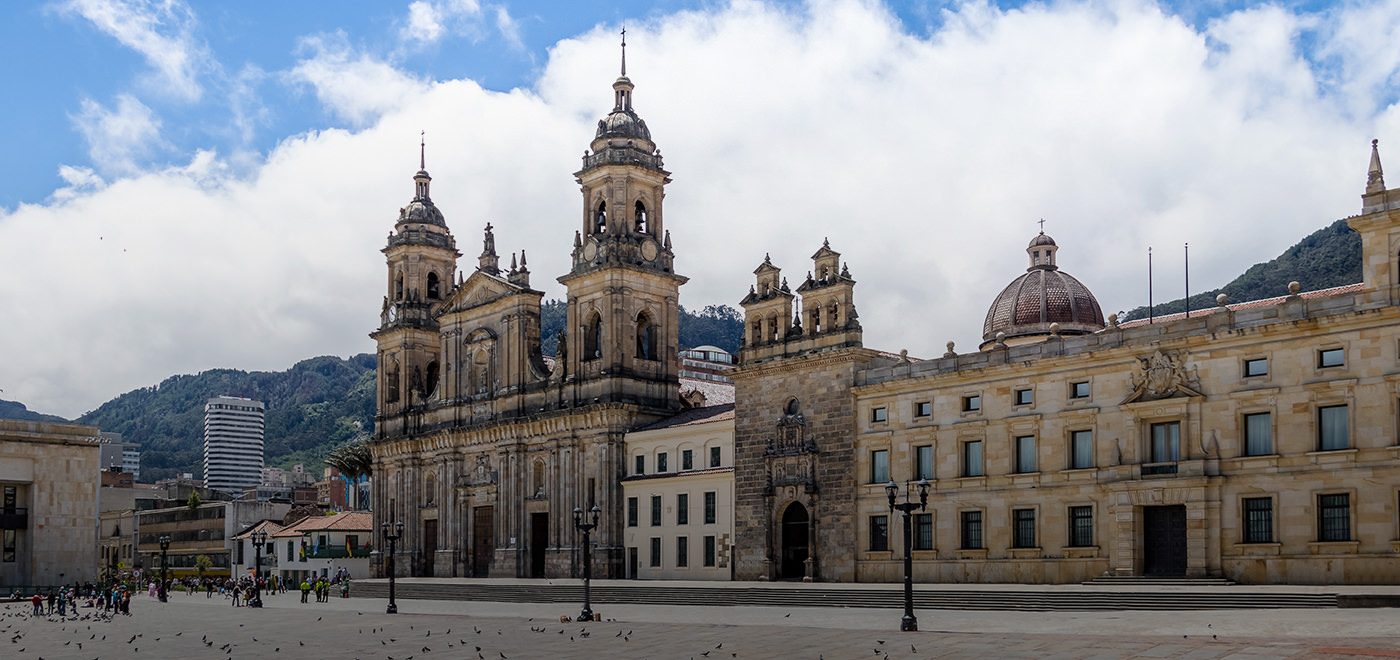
(483, 446)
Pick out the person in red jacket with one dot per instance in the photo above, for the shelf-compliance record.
(38, 603)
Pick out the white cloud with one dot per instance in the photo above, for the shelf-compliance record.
(509, 28)
(80, 180)
(353, 85)
(119, 141)
(926, 159)
(160, 30)
(429, 21)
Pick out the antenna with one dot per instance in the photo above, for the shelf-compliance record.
(422, 150)
(1188, 279)
(1149, 284)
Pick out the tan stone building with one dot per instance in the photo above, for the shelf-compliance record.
(483, 447)
(1254, 441)
(49, 483)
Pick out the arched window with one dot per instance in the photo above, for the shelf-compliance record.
(537, 477)
(641, 212)
(600, 219)
(593, 338)
(816, 324)
(398, 288)
(773, 327)
(391, 386)
(432, 286)
(757, 330)
(792, 407)
(646, 337)
(430, 385)
(430, 491)
(834, 318)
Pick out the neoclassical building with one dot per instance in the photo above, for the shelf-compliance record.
(483, 446)
(1255, 441)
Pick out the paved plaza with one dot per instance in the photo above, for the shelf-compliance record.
(343, 629)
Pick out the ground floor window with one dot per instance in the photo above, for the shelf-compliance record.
(879, 533)
(682, 551)
(1258, 520)
(656, 553)
(923, 531)
(709, 551)
(1334, 517)
(1081, 526)
(1023, 531)
(971, 530)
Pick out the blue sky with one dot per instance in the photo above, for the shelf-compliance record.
(208, 184)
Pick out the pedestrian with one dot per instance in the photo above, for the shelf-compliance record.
(305, 589)
(38, 601)
(51, 601)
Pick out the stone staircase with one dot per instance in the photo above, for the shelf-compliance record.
(660, 593)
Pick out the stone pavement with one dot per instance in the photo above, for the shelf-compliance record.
(196, 627)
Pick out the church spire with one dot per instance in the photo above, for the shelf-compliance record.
(488, 262)
(421, 179)
(1375, 178)
(624, 50)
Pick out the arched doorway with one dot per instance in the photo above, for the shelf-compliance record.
(794, 554)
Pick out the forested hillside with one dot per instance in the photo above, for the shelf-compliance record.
(17, 410)
(1328, 257)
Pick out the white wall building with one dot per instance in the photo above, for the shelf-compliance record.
(233, 443)
(679, 496)
(322, 545)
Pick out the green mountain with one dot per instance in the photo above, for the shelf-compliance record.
(17, 410)
(1328, 257)
(315, 406)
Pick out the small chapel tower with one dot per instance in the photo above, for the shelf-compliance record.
(1379, 226)
(623, 294)
(422, 260)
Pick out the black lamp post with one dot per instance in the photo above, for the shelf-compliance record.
(908, 622)
(392, 539)
(587, 529)
(164, 548)
(258, 538)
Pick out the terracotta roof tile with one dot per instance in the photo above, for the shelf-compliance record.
(1346, 289)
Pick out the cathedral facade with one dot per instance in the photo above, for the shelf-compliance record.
(483, 446)
(1255, 441)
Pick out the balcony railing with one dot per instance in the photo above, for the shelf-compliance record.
(337, 552)
(14, 519)
(1149, 469)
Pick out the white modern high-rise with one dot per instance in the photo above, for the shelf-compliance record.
(233, 443)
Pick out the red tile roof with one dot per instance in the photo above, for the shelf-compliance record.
(1251, 304)
(347, 521)
(716, 393)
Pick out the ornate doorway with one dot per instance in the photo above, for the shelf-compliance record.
(795, 534)
(429, 547)
(483, 540)
(539, 542)
(1164, 540)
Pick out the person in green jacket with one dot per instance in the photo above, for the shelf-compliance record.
(305, 590)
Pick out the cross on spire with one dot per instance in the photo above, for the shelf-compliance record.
(1042, 225)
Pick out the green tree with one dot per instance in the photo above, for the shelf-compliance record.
(202, 563)
(194, 501)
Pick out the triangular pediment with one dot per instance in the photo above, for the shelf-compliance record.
(480, 289)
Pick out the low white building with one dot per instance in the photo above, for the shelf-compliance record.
(679, 495)
(322, 545)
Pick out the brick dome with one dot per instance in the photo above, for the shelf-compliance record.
(1044, 295)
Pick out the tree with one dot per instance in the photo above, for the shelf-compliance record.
(194, 501)
(202, 563)
(352, 460)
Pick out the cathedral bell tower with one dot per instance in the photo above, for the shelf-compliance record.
(623, 295)
(422, 262)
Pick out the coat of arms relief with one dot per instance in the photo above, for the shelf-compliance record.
(1162, 376)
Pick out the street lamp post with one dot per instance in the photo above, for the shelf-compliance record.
(164, 548)
(908, 622)
(392, 539)
(587, 529)
(258, 538)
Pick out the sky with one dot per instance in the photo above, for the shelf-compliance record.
(189, 186)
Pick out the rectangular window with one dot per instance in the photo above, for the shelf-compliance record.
(1079, 390)
(1258, 520)
(683, 509)
(923, 531)
(291, 548)
(923, 462)
(715, 457)
(682, 551)
(9, 546)
(687, 460)
(641, 467)
(1023, 528)
(1081, 526)
(1256, 367)
(1166, 442)
(1258, 434)
(1024, 397)
(1332, 357)
(877, 414)
(1334, 517)
(923, 409)
(710, 508)
(661, 462)
(11, 498)
(631, 512)
(879, 533)
(655, 553)
(1025, 453)
(972, 403)
(709, 552)
(1081, 450)
(971, 530)
(972, 458)
(655, 510)
(879, 466)
(1332, 428)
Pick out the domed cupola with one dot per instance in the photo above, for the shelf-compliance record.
(1027, 308)
(421, 209)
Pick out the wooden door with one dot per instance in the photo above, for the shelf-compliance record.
(483, 540)
(430, 529)
(1164, 540)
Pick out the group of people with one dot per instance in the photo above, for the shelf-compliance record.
(115, 599)
(322, 586)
